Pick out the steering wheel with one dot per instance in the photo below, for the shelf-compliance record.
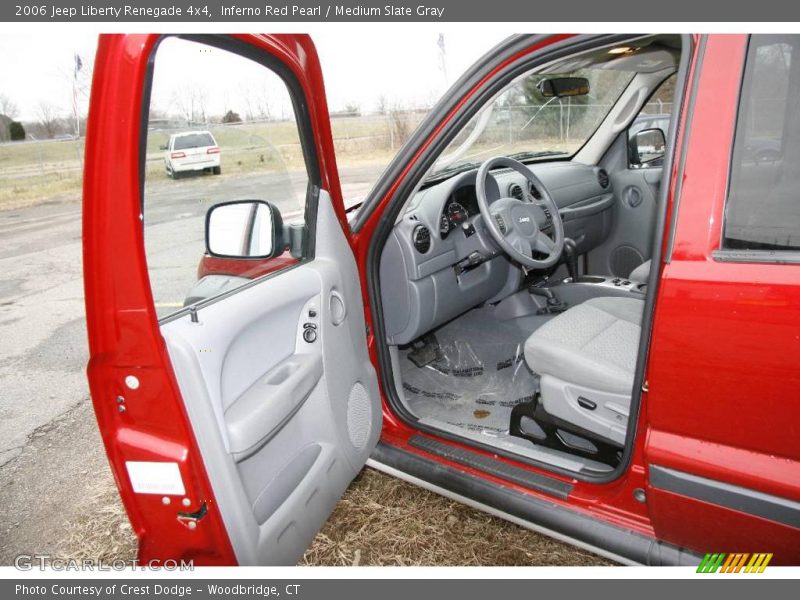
(514, 224)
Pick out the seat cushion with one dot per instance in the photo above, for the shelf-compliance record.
(641, 273)
(593, 344)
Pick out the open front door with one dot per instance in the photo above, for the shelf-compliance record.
(236, 408)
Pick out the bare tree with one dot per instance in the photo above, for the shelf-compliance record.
(383, 105)
(201, 100)
(191, 103)
(8, 107)
(261, 98)
(48, 118)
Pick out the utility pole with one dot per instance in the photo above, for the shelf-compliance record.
(77, 67)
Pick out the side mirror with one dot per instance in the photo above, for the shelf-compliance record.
(163, 147)
(561, 87)
(244, 229)
(646, 146)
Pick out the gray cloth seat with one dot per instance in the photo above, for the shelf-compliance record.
(593, 344)
(641, 273)
(589, 353)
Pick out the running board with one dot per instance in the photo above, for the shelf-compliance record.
(492, 466)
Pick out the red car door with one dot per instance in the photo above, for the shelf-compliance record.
(723, 405)
(232, 428)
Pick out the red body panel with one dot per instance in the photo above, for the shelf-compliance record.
(723, 373)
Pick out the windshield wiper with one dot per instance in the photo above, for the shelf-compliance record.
(522, 156)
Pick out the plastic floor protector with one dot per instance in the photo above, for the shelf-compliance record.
(480, 376)
(478, 380)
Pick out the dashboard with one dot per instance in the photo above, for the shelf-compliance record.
(440, 259)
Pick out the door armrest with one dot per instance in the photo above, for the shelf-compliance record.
(265, 407)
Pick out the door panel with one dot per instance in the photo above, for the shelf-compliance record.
(229, 435)
(283, 425)
(629, 243)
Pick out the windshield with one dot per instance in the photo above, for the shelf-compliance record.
(521, 121)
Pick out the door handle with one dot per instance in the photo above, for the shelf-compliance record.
(338, 308)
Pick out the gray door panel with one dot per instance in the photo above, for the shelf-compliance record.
(635, 206)
(283, 424)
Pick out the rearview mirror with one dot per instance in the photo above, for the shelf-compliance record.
(560, 87)
(244, 229)
(647, 147)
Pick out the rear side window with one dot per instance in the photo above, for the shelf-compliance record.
(763, 206)
(195, 140)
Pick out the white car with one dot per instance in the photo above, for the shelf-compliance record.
(192, 151)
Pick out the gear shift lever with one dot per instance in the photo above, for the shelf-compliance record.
(571, 259)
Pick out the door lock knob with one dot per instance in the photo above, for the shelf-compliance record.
(310, 332)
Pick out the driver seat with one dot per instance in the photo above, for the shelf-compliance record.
(586, 357)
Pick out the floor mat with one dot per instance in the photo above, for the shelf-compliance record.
(479, 378)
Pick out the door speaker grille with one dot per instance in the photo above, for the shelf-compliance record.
(359, 416)
(625, 259)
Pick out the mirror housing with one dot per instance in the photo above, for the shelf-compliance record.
(245, 230)
(647, 146)
(562, 87)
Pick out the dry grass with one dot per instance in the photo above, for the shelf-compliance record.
(384, 521)
(102, 533)
(380, 521)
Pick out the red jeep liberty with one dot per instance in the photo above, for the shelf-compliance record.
(571, 300)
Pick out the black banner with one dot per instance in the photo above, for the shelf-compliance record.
(267, 11)
(731, 588)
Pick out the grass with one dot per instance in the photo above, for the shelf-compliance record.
(38, 172)
(385, 521)
(379, 521)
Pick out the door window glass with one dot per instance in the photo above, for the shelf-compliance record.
(655, 114)
(222, 128)
(763, 207)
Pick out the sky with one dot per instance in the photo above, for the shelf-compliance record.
(398, 63)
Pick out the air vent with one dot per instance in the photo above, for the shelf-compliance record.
(515, 191)
(602, 178)
(534, 191)
(421, 237)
